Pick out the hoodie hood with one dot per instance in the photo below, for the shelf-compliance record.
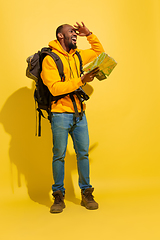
(56, 46)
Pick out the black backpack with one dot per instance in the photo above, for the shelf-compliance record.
(42, 95)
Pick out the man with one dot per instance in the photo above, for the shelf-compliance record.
(63, 120)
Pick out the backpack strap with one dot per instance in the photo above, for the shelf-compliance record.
(59, 64)
(56, 58)
(81, 63)
(74, 105)
(79, 93)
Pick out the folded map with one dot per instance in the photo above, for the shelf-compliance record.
(105, 63)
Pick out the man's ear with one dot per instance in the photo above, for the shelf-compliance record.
(60, 35)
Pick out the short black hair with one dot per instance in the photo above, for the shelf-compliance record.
(59, 30)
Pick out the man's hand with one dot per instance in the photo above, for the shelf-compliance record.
(88, 77)
(82, 30)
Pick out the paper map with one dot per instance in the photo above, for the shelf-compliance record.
(105, 63)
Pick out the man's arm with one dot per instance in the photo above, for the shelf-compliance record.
(50, 75)
(96, 47)
(50, 69)
(52, 80)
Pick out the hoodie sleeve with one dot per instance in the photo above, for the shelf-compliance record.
(50, 74)
(95, 50)
(52, 80)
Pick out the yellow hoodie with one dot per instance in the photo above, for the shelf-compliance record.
(52, 80)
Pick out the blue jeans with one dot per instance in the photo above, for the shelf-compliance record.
(63, 124)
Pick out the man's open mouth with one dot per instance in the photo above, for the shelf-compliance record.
(74, 39)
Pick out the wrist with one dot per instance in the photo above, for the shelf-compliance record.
(88, 34)
(82, 80)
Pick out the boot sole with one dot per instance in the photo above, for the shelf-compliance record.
(57, 210)
(89, 208)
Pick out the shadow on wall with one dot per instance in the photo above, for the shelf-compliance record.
(33, 155)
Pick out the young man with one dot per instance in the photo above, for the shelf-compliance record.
(63, 120)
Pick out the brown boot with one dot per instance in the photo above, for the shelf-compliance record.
(58, 204)
(88, 199)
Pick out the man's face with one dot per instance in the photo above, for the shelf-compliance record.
(70, 37)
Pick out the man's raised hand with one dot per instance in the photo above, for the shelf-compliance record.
(82, 30)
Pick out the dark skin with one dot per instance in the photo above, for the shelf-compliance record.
(68, 40)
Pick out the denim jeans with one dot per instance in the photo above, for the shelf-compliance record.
(63, 124)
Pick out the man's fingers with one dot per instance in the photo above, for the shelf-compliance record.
(78, 24)
(94, 71)
(83, 24)
(88, 77)
(77, 27)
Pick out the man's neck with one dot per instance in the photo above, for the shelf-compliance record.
(67, 49)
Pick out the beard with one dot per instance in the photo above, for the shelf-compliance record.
(72, 46)
(69, 43)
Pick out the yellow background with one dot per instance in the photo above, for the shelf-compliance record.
(123, 117)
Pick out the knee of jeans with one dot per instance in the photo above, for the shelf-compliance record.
(59, 152)
(82, 156)
(58, 159)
